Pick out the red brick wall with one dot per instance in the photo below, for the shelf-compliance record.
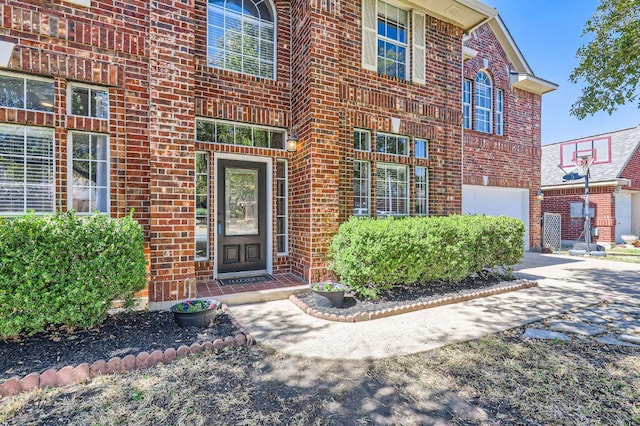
(632, 171)
(600, 198)
(152, 57)
(107, 46)
(511, 160)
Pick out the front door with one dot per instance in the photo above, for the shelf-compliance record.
(241, 223)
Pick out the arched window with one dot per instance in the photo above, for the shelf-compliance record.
(484, 102)
(241, 36)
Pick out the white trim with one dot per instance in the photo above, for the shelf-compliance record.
(70, 171)
(269, 238)
(613, 182)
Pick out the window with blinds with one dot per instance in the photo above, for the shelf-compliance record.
(392, 184)
(361, 188)
(27, 181)
(241, 36)
(421, 195)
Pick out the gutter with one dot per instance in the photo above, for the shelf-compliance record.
(613, 182)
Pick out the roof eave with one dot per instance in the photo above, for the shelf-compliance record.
(531, 83)
(466, 14)
(566, 185)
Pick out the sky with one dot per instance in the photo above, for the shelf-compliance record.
(548, 33)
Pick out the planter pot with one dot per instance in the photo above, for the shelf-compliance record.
(200, 318)
(328, 299)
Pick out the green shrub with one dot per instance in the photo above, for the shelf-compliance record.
(66, 269)
(373, 255)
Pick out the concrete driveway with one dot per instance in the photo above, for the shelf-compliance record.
(564, 283)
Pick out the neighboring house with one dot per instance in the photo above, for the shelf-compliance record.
(502, 128)
(614, 185)
(243, 132)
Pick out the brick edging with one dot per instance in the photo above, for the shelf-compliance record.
(75, 374)
(444, 300)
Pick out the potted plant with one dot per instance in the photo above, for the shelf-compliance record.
(328, 294)
(196, 312)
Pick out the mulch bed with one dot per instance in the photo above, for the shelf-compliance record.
(408, 294)
(126, 333)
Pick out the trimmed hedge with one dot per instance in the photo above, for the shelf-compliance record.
(373, 255)
(66, 270)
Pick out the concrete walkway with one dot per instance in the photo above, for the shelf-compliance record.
(565, 283)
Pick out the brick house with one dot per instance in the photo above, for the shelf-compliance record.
(242, 132)
(614, 185)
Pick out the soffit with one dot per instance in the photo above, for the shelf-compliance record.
(466, 14)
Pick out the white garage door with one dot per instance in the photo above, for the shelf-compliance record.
(494, 201)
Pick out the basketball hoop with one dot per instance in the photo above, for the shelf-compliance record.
(582, 164)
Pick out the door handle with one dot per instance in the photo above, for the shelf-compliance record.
(219, 227)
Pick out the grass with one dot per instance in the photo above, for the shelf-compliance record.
(499, 379)
(631, 255)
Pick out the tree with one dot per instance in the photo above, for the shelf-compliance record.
(610, 62)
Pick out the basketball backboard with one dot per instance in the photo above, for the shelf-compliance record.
(599, 149)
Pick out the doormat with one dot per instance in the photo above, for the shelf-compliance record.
(245, 280)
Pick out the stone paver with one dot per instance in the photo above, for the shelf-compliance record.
(590, 317)
(630, 338)
(536, 333)
(609, 314)
(609, 340)
(576, 327)
(620, 322)
(628, 327)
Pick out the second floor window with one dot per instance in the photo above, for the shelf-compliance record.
(484, 102)
(392, 40)
(499, 112)
(241, 36)
(466, 103)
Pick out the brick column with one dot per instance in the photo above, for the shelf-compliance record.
(171, 135)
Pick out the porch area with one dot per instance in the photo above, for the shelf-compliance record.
(280, 287)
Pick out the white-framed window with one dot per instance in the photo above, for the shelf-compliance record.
(241, 36)
(484, 102)
(216, 131)
(88, 101)
(202, 205)
(361, 188)
(392, 187)
(88, 172)
(27, 181)
(282, 211)
(26, 92)
(422, 191)
(466, 103)
(392, 144)
(421, 148)
(393, 24)
(499, 112)
(362, 140)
